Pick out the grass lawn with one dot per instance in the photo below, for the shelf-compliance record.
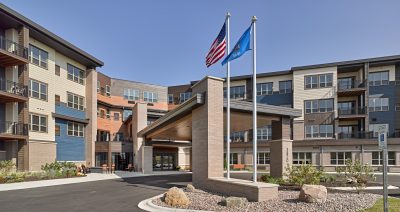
(394, 205)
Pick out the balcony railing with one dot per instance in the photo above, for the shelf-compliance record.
(396, 134)
(116, 140)
(13, 87)
(348, 85)
(13, 47)
(357, 135)
(13, 128)
(352, 111)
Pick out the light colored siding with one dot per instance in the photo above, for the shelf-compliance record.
(275, 80)
(237, 83)
(391, 69)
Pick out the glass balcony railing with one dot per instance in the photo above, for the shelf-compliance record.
(350, 84)
(352, 111)
(356, 135)
(13, 128)
(13, 87)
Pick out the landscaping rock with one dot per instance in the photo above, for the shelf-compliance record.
(233, 201)
(175, 197)
(190, 188)
(313, 193)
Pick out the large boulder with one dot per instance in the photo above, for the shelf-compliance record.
(233, 201)
(176, 197)
(313, 193)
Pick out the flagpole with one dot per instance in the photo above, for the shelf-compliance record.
(254, 19)
(228, 106)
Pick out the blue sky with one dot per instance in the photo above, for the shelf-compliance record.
(165, 42)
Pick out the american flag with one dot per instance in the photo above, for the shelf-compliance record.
(217, 49)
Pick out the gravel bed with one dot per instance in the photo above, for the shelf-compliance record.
(287, 201)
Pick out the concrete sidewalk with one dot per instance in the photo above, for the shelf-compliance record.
(89, 178)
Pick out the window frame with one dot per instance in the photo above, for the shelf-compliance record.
(380, 81)
(76, 105)
(263, 158)
(170, 98)
(372, 104)
(78, 129)
(39, 57)
(314, 106)
(108, 90)
(39, 124)
(73, 76)
(39, 92)
(185, 95)
(265, 88)
(150, 96)
(264, 133)
(286, 89)
(343, 160)
(131, 94)
(315, 81)
(301, 158)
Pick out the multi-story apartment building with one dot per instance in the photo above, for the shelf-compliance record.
(46, 87)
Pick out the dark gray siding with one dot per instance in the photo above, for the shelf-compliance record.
(117, 88)
(2, 112)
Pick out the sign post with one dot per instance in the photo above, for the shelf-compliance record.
(382, 139)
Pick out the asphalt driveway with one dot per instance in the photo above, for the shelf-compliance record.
(106, 195)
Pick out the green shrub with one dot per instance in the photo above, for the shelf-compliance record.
(269, 179)
(60, 169)
(356, 174)
(327, 178)
(6, 166)
(303, 174)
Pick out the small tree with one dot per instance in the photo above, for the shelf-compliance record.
(357, 174)
(303, 174)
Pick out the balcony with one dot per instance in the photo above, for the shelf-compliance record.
(13, 130)
(352, 113)
(351, 87)
(356, 135)
(11, 53)
(12, 92)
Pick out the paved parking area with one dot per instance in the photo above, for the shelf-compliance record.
(106, 195)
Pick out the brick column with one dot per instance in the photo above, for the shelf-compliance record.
(281, 147)
(139, 122)
(91, 114)
(207, 132)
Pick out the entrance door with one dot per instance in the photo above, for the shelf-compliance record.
(163, 161)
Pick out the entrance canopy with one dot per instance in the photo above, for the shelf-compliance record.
(177, 124)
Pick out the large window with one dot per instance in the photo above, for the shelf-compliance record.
(75, 101)
(319, 131)
(131, 94)
(233, 158)
(184, 96)
(378, 78)
(321, 106)
(264, 133)
(37, 123)
(237, 92)
(301, 157)
(75, 129)
(264, 88)
(237, 136)
(318, 81)
(170, 98)
(38, 56)
(377, 158)
(339, 158)
(38, 90)
(263, 158)
(285, 86)
(75, 74)
(108, 90)
(378, 104)
(149, 96)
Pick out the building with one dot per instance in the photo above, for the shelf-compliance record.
(41, 121)
(95, 119)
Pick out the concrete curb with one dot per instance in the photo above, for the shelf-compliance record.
(147, 205)
(390, 187)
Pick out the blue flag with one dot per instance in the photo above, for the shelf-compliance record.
(240, 48)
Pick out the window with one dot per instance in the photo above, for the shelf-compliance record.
(116, 116)
(339, 158)
(233, 158)
(378, 78)
(57, 70)
(75, 129)
(285, 86)
(126, 114)
(57, 130)
(57, 100)
(374, 128)
(237, 136)
(321, 105)
(302, 158)
(184, 96)
(75, 101)
(264, 88)
(108, 116)
(149, 96)
(319, 131)
(170, 98)
(102, 114)
(38, 90)
(263, 158)
(38, 56)
(378, 104)
(377, 158)
(264, 133)
(346, 83)
(108, 90)
(37, 123)
(237, 92)
(98, 86)
(318, 81)
(397, 107)
(131, 94)
(119, 136)
(75, 74)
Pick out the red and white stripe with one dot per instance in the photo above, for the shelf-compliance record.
(217, 51)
